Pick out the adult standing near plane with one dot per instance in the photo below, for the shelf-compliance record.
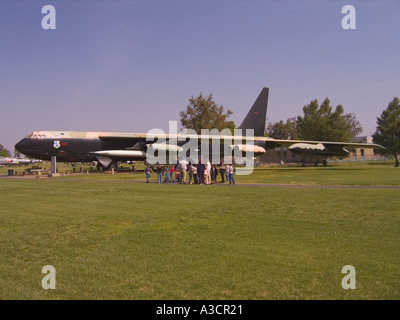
(227, 172)
(190, 171)
(200, 172)
(148, 172)
(171, 173)
(160, 170)
(222, 171)
(182, 171)
(166, 172)
(208, 167)
(194, 171)
(231, 178)
(214, 173)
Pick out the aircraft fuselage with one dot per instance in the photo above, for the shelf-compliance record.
(67, 146)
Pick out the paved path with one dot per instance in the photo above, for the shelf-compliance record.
(265, 185)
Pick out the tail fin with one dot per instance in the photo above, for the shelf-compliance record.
(255, 119)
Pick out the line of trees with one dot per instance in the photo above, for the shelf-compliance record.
(319, 122)
(323, 124)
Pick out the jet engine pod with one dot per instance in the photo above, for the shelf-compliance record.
(164, 147)
(304, 148)
(244, 148)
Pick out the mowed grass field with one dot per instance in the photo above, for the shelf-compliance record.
(110, 237)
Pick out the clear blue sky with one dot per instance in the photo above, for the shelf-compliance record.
(131, 66)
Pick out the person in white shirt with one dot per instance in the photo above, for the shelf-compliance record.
(208, 167)
(182, 171)
(231, 178)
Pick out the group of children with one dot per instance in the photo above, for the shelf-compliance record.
(198, 173)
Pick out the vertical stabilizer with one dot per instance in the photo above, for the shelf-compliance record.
(255, 119)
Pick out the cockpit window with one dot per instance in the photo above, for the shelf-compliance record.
(35, 135)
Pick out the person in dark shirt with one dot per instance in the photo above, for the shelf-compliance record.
(160, 171)
(148, 171)
(214, 173)
(190, 171)
(222, 171)
(166, 172)
(200, 172)
(194, 170)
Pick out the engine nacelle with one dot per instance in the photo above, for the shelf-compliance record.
(243, 148)
(318, 150)
(304, 147)
(164, 147)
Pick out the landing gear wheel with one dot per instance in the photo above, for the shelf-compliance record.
(113, 165)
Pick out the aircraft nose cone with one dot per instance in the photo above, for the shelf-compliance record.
(21, 146)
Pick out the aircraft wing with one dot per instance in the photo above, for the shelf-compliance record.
(122, 136)
(130, 146)
(287, 143)
(134, 146)
(141, 141)
(319, 148)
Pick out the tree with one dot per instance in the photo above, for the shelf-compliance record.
(320, 123)
(387, 132)
(4, 152)
(203, 113)
(355, 125)
(281, 130)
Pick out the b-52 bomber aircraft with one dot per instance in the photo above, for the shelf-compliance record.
(109, 148)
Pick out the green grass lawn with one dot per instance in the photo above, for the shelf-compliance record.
(109, 238)
(345, 173)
